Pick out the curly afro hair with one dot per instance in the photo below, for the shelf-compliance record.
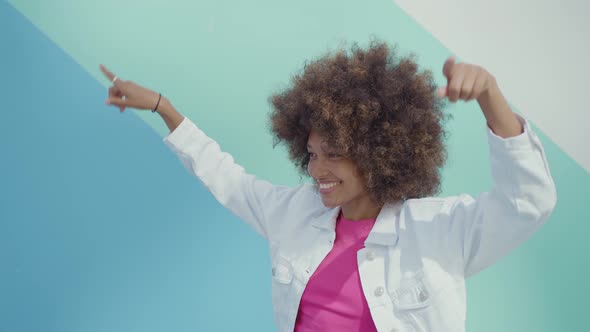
(373, 107)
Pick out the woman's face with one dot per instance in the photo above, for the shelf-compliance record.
(338, 181)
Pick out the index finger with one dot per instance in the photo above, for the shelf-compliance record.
(448, 66)
(107, 73)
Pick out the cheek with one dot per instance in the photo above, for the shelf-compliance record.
(353, 180)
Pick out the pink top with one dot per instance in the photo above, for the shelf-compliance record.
(333, 299)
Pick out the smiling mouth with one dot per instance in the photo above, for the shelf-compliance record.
(328, 187)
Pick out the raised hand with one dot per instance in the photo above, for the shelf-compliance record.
(468, 82)
(125, 94)
(464, 81)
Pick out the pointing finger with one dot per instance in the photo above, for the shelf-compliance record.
(448, 66)
(108, 74)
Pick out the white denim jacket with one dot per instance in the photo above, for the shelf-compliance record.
(419, 252)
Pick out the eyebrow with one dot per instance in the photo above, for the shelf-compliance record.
(321, 147)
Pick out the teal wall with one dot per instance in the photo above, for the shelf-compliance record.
(102, 229)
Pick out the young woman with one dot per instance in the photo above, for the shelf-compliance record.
(364, 247)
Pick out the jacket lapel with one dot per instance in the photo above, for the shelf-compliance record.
(384, 231)
(326, 219)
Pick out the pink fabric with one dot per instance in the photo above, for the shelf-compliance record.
(333, 299)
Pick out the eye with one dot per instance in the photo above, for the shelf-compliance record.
(311, 155)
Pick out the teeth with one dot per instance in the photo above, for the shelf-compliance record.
(327, 185)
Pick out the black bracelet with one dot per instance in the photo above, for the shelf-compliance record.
(158, 103)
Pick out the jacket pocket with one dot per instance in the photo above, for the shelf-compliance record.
(413, 302)
(282, 270)
(282, 280)
(412, 297)
(424, 307)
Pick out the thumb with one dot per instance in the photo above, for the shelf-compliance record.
(116, 101)
(442, 91)
(119, 102)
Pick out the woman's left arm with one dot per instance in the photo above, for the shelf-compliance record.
(468, 82)
(523, 193)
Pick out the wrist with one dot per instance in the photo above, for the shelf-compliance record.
(165, 108)
(499, 116)
(492, 103)
(492, 92)
(169, 114)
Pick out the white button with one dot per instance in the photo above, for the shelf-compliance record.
(394, 330)
(371, 255)
(379, 291)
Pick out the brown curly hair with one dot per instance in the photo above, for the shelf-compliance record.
(373, 107)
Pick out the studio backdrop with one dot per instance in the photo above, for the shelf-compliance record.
(103, 230)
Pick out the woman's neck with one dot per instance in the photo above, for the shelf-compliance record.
(360, 210)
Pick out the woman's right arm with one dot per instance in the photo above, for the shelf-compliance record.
(253, 200)
(249, 198)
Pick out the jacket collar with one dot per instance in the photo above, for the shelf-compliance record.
(326, 219)
(384, 231)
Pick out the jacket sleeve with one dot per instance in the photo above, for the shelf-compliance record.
(243, 194)
(522, 197)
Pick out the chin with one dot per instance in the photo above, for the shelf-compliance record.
(329, 204)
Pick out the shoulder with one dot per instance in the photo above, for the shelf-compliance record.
(429, 208)
(292, 211)
(303, 197)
